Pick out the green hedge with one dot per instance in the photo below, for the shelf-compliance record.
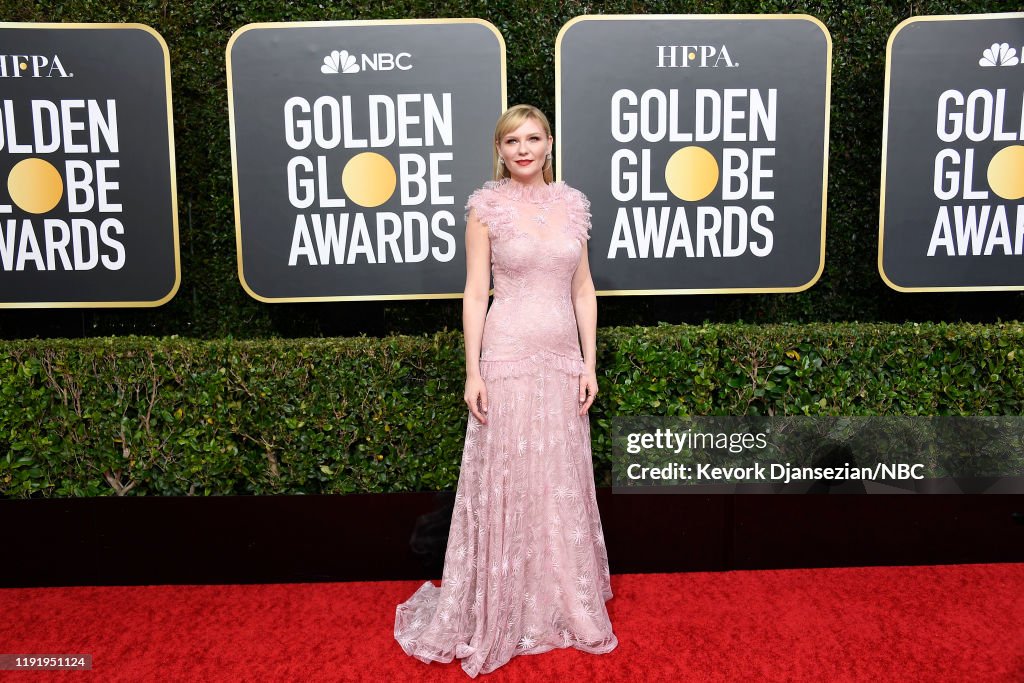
(172, 416)
(212, 304)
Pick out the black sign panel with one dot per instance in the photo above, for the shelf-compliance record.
(88, 214)
(701, 142)
(356, 145)
(952, 216)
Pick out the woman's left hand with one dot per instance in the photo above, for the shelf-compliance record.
(588, 390)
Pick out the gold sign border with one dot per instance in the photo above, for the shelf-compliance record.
(885, 151)
(170, 150)
(707, 17)
(234, 155)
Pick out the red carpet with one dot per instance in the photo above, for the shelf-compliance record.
(948, 623)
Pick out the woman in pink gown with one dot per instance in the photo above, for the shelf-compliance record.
(526, 568)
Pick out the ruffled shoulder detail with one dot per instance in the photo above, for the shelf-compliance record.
(492, 209)
(578, 207)
(494, 206)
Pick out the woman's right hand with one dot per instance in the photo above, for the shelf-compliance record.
(476, 398)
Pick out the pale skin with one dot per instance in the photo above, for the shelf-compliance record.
(524, 151)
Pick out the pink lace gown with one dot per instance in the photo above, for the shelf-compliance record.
(526, 568)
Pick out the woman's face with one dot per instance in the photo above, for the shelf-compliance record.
(525, 151)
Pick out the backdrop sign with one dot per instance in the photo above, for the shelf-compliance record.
(356, 145)
(88, 211)
(952, 216)
(701, 142)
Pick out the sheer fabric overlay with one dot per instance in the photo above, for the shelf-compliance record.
(526, 569)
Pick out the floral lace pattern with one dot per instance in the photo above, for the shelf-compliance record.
(526, 569)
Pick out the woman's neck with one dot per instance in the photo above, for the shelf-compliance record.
(535, 181)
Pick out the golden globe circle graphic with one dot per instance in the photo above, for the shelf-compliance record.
(369, 179)
(35, 185)
(1006, 172)
(691, 173)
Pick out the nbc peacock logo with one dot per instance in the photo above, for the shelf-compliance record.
(345, 62)
(340, 62)
(999, 54)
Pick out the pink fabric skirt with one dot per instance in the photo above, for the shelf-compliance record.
(526, 569)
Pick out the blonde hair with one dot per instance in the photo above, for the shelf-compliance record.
(514, 117)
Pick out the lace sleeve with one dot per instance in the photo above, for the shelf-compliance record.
(490, 210)
(579, 215)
